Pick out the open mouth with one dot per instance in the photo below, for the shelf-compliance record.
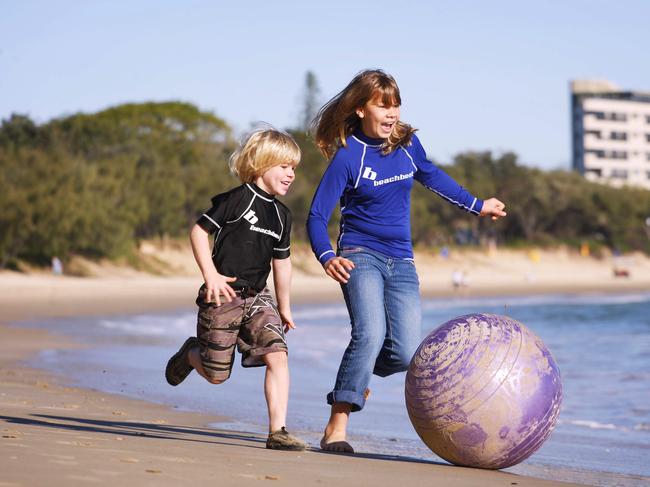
(387, 126)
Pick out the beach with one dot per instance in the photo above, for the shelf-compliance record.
(56, 434)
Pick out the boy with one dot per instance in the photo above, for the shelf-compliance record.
(252, 236)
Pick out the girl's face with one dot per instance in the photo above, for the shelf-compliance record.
(378, 119)
(276, 181)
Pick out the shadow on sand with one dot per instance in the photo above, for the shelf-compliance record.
(172, 432)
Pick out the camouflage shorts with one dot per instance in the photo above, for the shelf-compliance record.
(251, 322)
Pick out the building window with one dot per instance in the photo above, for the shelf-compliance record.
(598, 115)
(619, 173)
(613, 116)
(647, 156)
(618, 136)
(647, 118)
(600, 154)
(597, 133)
(609, 154)
(647, 137)
(594, 172)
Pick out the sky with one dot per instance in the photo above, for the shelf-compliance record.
(473, 75)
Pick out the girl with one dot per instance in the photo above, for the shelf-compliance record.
(374, 159)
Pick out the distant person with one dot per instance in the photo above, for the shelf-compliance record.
(235, 308)
(57, 266)
(458, 279)
(375, 158)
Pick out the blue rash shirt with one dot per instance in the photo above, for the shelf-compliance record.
(374, 192)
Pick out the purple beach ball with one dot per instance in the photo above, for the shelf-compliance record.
(483, 391)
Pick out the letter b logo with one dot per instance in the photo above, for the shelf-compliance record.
(368, 173)
(251, 217)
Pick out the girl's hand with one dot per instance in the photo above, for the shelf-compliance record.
(494, 208)
(338, 268)
(217, 285)
(287, 320)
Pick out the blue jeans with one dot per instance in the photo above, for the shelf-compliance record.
(383, 300)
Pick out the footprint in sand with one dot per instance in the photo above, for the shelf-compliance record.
(11, 434)
(129, 460)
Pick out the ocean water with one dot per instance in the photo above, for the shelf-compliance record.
(601, 344)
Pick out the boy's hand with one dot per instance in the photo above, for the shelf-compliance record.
(494, 208)
(216, 285)
(338, 268)
(287, 320)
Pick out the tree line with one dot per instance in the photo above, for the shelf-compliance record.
(97, 184)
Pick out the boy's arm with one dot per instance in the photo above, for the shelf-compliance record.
(215, 283)
(282, 282)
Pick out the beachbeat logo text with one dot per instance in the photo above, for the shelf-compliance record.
(265, 231)
(392, 179)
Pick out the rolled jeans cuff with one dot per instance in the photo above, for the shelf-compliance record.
(356, 400)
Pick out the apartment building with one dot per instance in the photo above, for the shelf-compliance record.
(611, 133)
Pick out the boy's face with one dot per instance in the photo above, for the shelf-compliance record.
(276, 181)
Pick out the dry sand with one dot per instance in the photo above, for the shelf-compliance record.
(56, 435)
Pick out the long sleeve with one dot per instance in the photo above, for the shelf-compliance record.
(435, 179)
(332, 185)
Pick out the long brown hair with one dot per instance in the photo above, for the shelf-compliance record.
(338, 118)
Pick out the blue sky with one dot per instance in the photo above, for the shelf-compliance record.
(474, 75)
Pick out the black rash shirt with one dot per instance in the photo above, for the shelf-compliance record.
(251, 227)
